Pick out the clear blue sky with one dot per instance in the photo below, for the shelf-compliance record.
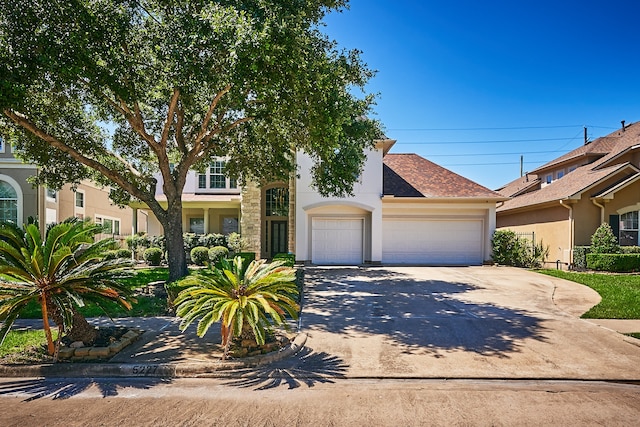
(455, 75)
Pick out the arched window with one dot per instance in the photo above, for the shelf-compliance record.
(8, 203)
(277, 201)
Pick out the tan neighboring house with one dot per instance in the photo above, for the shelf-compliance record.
(19, 200)
(404, 210)
(565, 200)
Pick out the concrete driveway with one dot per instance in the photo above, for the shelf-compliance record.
(471, 322)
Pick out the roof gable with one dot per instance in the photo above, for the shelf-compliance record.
(409, 175)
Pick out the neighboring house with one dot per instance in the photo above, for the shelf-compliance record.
(565, 200)
(19, 200)
(405, 210)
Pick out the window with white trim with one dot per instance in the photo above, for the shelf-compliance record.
(629, 229)
(109, 225)
(214, 178)
(1, 145)
(51, 194)
(559, 174)
(8, 203)
(79, 204)
(549, 178)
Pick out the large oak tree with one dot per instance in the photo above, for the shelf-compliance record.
(117, 91)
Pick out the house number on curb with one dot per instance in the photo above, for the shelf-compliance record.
(143, 370)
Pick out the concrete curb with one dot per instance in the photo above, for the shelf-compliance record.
(154, 370)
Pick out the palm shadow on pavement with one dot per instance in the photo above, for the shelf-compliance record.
(64, 388)
(306, 367)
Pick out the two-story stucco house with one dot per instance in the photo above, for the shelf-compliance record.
(404, 210)
(565, 200)
(20, 200)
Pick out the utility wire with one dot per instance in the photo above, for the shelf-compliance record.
(494, 154)
(485, 141)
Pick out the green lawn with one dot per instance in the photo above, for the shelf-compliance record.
(620, 293)
(144, 307)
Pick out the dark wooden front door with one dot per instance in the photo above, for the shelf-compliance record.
(279, 238)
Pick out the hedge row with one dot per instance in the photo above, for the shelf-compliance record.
(617, 263)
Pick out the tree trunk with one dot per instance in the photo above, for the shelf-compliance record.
(81, 330)
(176, 256)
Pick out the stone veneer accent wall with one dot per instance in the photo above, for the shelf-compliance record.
(292, 214)
(251, 217)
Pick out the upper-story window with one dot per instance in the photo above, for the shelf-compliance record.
(214, 177)
(1, 145)
(572, 168)
(277, 201)
(549, 178)
(559, 174)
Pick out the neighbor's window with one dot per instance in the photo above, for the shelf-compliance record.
(79, 199)
(629, 229)
(110, 225)
(8, 203)
(202, 180)
(1, 145)
(549, 178)
(51, 194)
(560, 174)
(277, 201)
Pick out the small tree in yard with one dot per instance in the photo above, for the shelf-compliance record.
(62, 272)
(130, 94)
(603, 241)
(242, 299)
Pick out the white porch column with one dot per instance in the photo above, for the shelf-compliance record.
(206, 220)
(376, 235)
(134, 221)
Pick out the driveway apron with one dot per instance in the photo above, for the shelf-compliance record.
(462, 322)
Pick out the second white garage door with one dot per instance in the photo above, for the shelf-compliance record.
(432, 242)
(337, 241)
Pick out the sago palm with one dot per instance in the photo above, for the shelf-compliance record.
(253, 298)
(62, 272)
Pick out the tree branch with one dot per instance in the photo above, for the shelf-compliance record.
(115, 176)
(212, 107)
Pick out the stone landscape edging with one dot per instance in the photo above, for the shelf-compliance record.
(150, 370)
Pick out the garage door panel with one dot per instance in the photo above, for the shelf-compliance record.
(432, 241)
(337, 241)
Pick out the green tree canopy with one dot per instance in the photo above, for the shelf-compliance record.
(119, 91)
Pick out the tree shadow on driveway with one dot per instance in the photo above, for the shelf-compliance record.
(64, 388)
(419, 316)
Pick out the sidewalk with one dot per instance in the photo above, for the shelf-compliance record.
(162, 351)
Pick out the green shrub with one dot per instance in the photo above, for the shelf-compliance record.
(108, 255)
(603, 241)
(630, 249)
(153, 256)
(212, 240)
(199, 255)
(289, 259)
(217, 253)
(509, 249)
(236, 243)
(580, 257)
(615, 263)
(124, 253)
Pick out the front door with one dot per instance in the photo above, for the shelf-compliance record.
(279, 238)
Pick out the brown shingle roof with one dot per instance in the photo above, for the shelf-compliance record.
(519, 185)
(409, 175)
(608, 148)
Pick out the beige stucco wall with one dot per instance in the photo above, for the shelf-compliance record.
(551, 225)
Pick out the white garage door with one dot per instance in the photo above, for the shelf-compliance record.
(436, 242)
(337, 241)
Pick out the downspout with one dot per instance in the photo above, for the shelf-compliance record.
(570, 230)
(601, 210)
